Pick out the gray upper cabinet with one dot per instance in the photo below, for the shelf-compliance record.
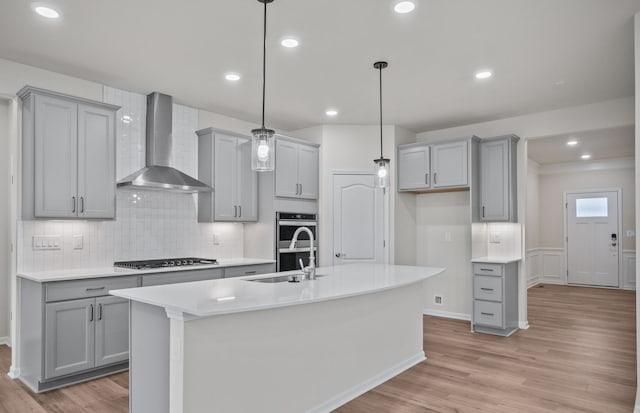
(68, 156)
(224, 162)
(296, 174)
(450, 164)
(414, 167)
(69, 337)
(498, 169)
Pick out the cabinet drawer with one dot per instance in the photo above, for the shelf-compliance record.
(487, 313)
(95, 287)
(487, 288)
(248, 270)
(175, 277)
(488, 269)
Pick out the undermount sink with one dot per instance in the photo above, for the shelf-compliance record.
(292, 278)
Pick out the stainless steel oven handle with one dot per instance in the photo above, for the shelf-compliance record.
(297, 223)
(286, 250)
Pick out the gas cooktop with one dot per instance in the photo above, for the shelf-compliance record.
(171, 262)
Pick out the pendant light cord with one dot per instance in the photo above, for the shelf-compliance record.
(264, 60)
(380, 69)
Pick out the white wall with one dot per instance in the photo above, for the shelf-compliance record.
(552, 211)
(5, 227)
(403, 239)
(443, 239)
(532, 221)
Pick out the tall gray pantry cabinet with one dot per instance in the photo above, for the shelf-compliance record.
(68, 156)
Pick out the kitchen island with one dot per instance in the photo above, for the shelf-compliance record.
(240, 345)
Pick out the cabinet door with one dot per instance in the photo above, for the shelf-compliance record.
(224, 165)
(69, 337)
(413, 168)
(112, 330)
(286, 174)
(450, 164)
(494, 180)
(308, 171)
(96, 162)
(56, 145)
(247, 183)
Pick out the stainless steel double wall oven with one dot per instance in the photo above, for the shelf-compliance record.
(286, 224)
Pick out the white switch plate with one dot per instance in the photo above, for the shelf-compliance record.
(78, 242)
(216, 239)
(46, 242)
(447, 236)
(494, 237)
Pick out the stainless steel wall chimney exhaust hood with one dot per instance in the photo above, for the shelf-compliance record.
(158, 174)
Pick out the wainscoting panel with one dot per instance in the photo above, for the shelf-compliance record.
(546, 265)
(629, 269)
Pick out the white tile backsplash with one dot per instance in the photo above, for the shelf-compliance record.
(149, 224)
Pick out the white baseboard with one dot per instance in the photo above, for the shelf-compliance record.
(533, 284)
(637, 408)
(523, 325)
(358, 390)
(5, 341)
(446, 314)
(14, 373)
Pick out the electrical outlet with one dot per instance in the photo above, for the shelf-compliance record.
(46, 242)
(78, 242)
(216, 239)
(494, 237)
(437, 299)
(631, 233)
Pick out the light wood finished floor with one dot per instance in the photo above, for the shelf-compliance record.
(578, 356)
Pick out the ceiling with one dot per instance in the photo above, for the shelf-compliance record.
(600, 144)
(545, 54)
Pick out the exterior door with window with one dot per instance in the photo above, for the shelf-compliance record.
(593, 238)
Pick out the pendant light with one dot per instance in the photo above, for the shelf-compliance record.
(382, 163)
(262, 146)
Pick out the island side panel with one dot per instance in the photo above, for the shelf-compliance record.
(310, 357)
(149, 359)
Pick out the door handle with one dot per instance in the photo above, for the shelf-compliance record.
(489, 314)
(338, 255)
(99, 312)
(73, 208)
(81, 204)
(91, 313)
(486, 289)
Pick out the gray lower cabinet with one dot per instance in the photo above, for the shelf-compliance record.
(495, 298)
(245, 270)
(174, 277)
(72, 330)
(69, 337)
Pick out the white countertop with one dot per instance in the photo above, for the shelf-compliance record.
(496, 260)
(82, 273)
(226, 296)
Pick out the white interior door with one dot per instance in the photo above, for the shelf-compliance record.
(593, 238)
(358, 219)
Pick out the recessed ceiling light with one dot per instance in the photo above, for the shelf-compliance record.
(331, 112)
(484, 74)
(47, 12)
(232, 76)
(572, 143)
(290, 42)
(586, 156)
(404, 7)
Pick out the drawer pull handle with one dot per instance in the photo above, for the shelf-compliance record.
(95, 288)
(486, 289)
(250, 272)
(486, 269)
(91, 314)
(489, 314)
(99, 312)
